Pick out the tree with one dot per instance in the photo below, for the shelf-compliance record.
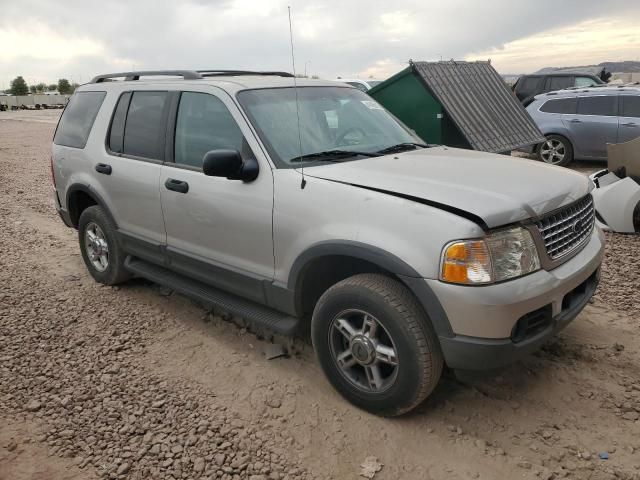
(19, 86)
(64, 87)
(52, 88)
(32, 89)
(41, 87)
(74, 85)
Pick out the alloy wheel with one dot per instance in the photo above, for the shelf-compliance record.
(96, 247)
(553, 151)
(363, 351)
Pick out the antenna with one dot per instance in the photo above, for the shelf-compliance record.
(295, 88)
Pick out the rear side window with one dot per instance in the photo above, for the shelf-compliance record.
(144, 130)
(560, 105)
(606, 106)
(204, 123)
(558, 83)
(528, 85)
(77, 119)
(630, 106)
(116, 134)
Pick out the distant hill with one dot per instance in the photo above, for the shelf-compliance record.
(628, 66)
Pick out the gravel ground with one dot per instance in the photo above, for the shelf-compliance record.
(137, 382)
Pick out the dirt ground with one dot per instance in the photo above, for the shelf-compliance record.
(138, 382)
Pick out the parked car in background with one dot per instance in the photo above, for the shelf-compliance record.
(363, 85)
(528, 86)
(579, 123)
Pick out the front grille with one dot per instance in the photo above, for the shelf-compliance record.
(565, 230)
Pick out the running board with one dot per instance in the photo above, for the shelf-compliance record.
(254, 313)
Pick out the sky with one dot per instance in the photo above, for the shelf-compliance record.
(77, 39)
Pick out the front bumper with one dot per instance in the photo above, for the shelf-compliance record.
(484, 319)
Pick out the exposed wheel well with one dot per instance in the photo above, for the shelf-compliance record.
(78, 201)
(323, 272)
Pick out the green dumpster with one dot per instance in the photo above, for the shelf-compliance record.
(460, 104)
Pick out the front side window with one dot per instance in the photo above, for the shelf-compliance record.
(585, 82)
(144, 132)
(560, 105)
(331, 118)
(631, 106)
(600, 105)
(204, 123)
(77, 120)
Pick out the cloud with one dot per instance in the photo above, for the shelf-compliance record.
(589, 41)
(332, 37)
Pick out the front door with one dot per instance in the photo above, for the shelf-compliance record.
(218, 231)
(594, 125)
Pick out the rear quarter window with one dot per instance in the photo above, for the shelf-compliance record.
(77, 119)
(560, 105)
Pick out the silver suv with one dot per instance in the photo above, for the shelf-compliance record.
(312, 209)
(579, 123)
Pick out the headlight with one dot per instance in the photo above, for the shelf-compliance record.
(501, 255)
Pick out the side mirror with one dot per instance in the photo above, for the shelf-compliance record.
(229, 164)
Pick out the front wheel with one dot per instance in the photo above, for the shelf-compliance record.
(556, 150)
(376, 345)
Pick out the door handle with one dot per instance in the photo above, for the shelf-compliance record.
(103, 168)
(575, 120)
(176, 185)
(630, 124)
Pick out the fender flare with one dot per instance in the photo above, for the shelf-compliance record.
(383, 259)
(81, 187)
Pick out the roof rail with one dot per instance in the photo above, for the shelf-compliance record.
(221, 73)
(186, 74)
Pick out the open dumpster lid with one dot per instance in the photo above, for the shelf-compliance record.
(480, 104)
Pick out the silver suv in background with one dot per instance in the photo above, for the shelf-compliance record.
(579, 123)
(312, 209)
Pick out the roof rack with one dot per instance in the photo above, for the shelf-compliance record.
(222, 73)
(185, 74)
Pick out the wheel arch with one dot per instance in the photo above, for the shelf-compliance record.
(327, 263)
(81, 196)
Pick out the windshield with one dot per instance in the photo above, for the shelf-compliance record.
(331, 118)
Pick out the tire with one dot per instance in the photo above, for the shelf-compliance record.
(94, 220)
(559, 148)
(401, 325)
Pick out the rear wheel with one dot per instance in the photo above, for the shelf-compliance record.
(556, 150)
(100, 249)
(376, 345)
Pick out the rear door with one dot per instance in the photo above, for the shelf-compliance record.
(132, 159)
(629, 120)
(594, 125)
(218, 231)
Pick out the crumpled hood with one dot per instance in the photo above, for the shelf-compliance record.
(498, 189)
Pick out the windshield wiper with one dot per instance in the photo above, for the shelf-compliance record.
(332, 155)
(402, 147)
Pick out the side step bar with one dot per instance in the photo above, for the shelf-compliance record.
(256, 314)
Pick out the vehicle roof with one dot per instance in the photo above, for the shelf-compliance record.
(229, 83)
(561, 74)
(590, 91)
